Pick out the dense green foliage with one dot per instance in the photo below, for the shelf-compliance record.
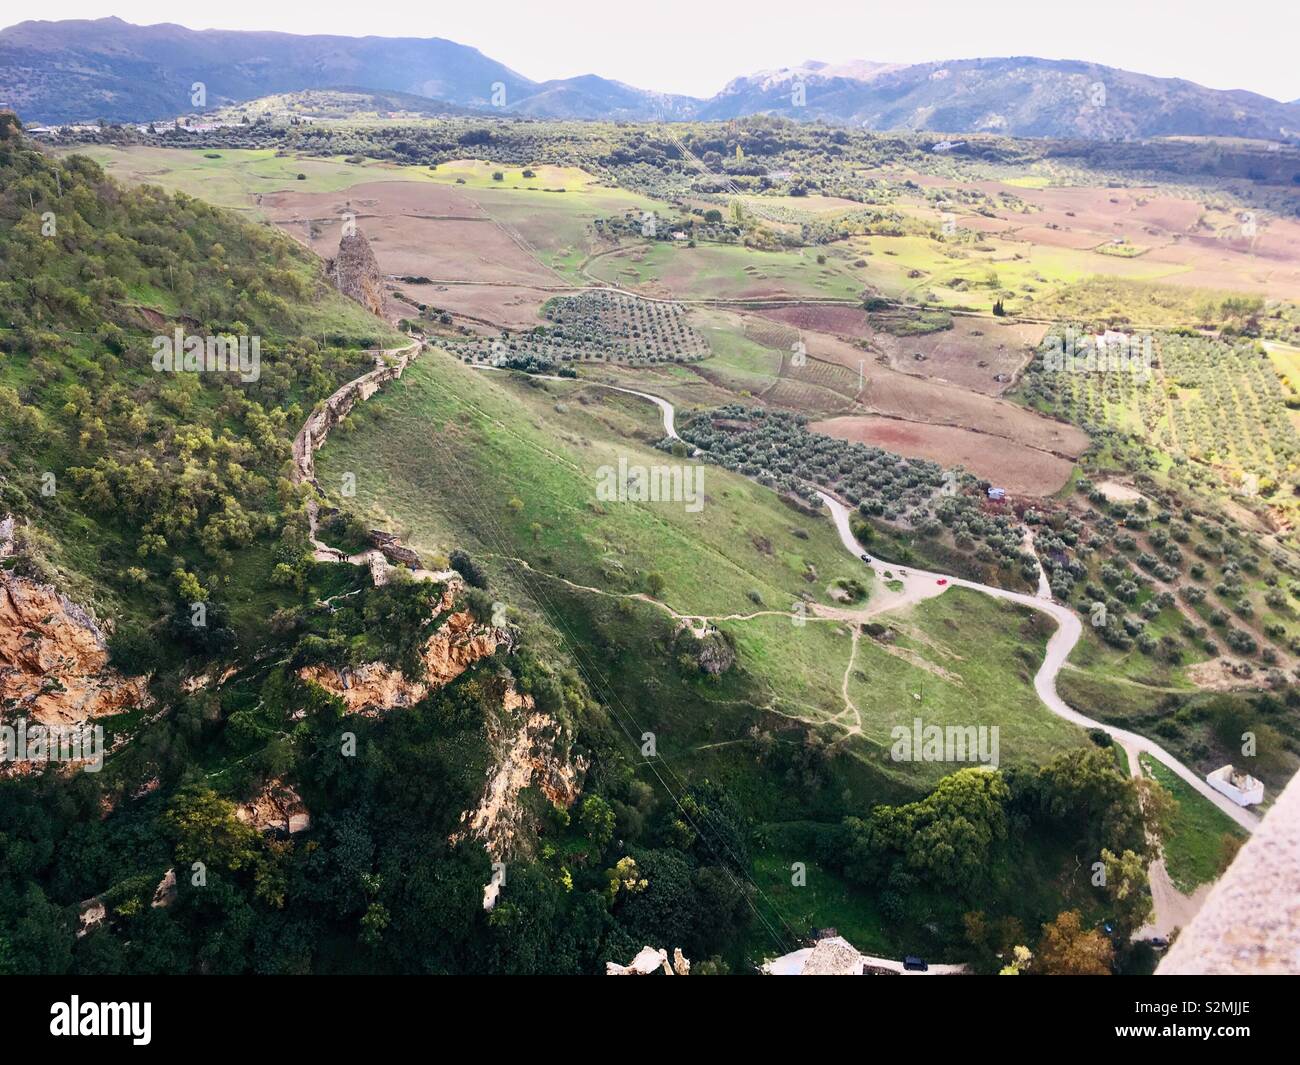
(157, 485)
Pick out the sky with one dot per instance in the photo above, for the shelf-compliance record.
(697, 46)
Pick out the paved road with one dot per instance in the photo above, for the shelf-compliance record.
(1068, 630)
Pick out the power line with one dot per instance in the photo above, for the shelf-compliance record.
(619, 710)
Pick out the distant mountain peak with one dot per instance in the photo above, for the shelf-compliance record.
(81, 70)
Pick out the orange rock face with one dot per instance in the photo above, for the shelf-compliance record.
(529, 750)
(54, 661)
(377, 686)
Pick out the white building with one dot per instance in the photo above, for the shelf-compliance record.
(1241, 788)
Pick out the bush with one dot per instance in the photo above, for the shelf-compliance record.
(134, 650)
(468, 568)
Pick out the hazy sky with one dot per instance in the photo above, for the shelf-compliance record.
(696, 46)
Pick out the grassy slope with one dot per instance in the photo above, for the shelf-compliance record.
(986, 654)
(446, 440)
(1194, 848)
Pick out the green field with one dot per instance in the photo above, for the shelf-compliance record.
(725, 271)
(1195, 848)
(232, 177)
(974, 276)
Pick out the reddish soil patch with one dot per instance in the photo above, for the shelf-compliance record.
(1019, 469)
(918, 399)
(840, 321)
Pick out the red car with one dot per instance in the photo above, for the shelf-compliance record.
(942, 580)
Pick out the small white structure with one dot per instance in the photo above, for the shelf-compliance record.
(1241, 788)
(832, 956)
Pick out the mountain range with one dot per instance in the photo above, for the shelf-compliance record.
(82, 70)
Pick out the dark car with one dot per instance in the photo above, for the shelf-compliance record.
(914, 964)
(865, 558)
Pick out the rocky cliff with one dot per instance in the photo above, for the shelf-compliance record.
(374, 687)
(530, 749)
(355, 273)
(54, 659)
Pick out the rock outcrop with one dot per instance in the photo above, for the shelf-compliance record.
(650, 961)
(530, 749)
(392, 548)
(278, 808)
(374, 687)
(165, 893)
(54, 658)
(355, 273)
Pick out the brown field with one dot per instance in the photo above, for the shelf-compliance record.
(1180, 231)
(1205, 242)
(768, 333)
(953, 355)
(934, 402)
(485, 308)
(1019, 469)
(837, 320)
(428, 230)
(370, 198)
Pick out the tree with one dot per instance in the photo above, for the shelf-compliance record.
(1126, 891)
(945, 837)
(1082, 788)
(597, 820)
(204, 828)
(1066, 949)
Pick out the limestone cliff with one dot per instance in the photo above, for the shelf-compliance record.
(530, 749)
(374, 687)
(54, 658)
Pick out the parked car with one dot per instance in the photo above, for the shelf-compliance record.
(942, 580)
(914, 964)
(865, 558)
